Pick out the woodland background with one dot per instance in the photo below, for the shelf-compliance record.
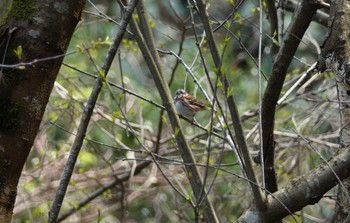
(116, 179)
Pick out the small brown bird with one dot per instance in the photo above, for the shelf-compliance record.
(187, 105)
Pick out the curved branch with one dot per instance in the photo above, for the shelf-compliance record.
(300, 22)
(303, 191)
(320, 16)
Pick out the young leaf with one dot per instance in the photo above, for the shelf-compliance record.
(19, 52)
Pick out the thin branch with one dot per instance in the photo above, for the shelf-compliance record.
(315, 140)
(103, 15)
(148, 151)
(78, 141)
(272, 11)
(259, 199)
(101, 190)
(151, 56)
(118, 86)
(33, 62)
(297, 83)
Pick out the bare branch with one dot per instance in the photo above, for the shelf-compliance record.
(305, 190)
(75, 149)
(259, 199)
(151, 56)
(300, 22)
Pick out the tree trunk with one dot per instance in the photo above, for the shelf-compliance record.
(336, 55)
(34, 35)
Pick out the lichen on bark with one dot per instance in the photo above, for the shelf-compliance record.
(20, 9)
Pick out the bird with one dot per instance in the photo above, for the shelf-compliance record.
(187, 105)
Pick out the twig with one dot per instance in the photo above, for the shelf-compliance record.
(117, 86)
(78, 141)
(258, 197)
(103, 15)
(151, 56)
(283, 98)
(273, 20)
(101, 190)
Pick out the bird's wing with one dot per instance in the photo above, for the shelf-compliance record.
(193, 103)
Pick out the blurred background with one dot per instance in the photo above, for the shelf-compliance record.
(306, 121)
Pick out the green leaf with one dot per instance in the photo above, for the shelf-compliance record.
(237, 16)
(103, 75)
(19, 52)
(80, 48)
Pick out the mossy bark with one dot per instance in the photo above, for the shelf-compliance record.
(41, 29)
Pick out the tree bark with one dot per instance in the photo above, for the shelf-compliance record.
(336, 56)
(34, 36)
(300, 22)
(302, 191)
